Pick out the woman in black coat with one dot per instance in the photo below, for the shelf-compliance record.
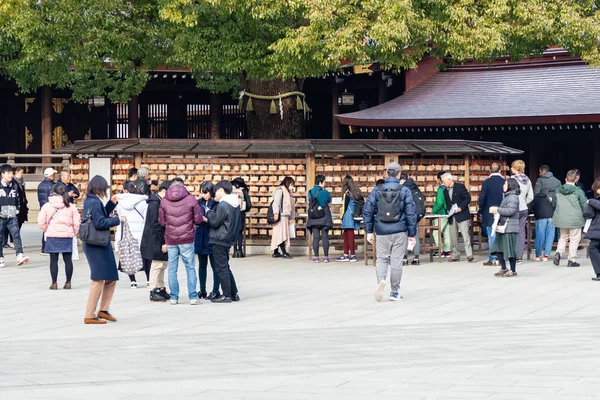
(238, 245)
(101, 259)
(153, 247)
(593, 232)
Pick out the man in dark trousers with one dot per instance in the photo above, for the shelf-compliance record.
(458, 199)
(225, 223)
(492, 193)
(44, 191)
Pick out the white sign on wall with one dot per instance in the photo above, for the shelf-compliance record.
(102, 167)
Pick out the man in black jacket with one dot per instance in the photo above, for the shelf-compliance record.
(459, 199)
(65, 179)
(491, 195)
(44, 192)
(225, 224)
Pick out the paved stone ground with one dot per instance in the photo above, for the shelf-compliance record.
(306, 331)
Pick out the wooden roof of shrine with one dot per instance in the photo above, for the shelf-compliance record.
(535, 93)
(247, 147)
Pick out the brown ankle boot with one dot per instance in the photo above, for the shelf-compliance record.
(94, 321)
(67, 285)
(105, 315)
(54, 286)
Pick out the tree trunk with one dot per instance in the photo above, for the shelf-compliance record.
(264, 125)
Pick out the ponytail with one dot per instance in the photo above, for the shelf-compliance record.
(61, 190)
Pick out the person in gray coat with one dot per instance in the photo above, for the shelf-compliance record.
(546, 183)
(505, 246)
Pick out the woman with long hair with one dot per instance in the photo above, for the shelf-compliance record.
(352, 198)
(133, 205)
(525, 197)
(59, 220)
(505, 245)
(101, 259)
(202, 244)
(284, 211)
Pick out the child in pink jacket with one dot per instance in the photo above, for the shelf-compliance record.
(59, 219)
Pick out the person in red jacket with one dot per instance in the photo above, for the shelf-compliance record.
(178, 213)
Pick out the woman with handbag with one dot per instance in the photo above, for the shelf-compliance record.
(59, 220)
(98, 250)
(320, 220)
(132, 205)
(593, 232)
(283, 212)
(506, 244)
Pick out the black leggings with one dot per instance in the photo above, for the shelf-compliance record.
(317, 235)
(146, 269)
(54, 266)
(511, 260)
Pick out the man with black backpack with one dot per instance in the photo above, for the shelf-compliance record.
(390, 212)
(419, 200)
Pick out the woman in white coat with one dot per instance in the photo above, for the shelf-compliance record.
(133, 206)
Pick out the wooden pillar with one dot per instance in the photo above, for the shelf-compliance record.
(596, 156)
(215, 116)
(137, 160)
(381, 98)
(335, 109)
(534, 150)
(46, 122)
(468, 171)
(134, 117)
(310, 171)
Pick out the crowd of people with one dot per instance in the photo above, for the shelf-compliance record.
(171, 224)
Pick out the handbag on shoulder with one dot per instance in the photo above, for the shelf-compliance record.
(90, 235)
(502, 225)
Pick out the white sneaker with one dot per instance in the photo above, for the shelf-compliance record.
(22, 258)
(194, 302)
(174, 302)
(133, 285)
(395, 296)
(2, 265)
(379, 291)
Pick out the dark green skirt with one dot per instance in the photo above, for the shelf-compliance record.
(506, 243)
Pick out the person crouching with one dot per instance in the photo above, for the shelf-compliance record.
(224, 223)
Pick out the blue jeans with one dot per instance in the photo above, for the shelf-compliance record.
(544, 236)
(11, 225)
(186, 251)
(491, 240)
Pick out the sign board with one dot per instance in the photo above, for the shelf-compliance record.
(101, 166)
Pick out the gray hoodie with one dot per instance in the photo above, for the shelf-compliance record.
(526, 195)
(546, 184)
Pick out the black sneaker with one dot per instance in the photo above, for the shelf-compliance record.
(556, 259)
(163, 293)
(573, 264)
(415, 262)
(436, 254)
(288, 256)
(236, 297)
(277, 255)
(222, 299)
(405, 261)
(213, 295)
(202, 295)
(236, 254)
(156, 295)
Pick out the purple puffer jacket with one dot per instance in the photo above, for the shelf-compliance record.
(178, 213)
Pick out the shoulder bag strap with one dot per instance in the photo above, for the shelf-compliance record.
(140, 214)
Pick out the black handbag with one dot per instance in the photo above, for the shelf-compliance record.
(90, 235)
(271, 214)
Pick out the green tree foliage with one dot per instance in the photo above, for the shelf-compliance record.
(105, 46)
(90, 46)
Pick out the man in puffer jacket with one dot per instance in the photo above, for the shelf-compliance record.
(225, 223)
(569, 202)
(178, 213)
(390, 211)
(546, 183)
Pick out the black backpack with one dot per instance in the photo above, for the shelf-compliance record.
(419, 203)
(315, 211)
(388, 206)
(358, 208)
